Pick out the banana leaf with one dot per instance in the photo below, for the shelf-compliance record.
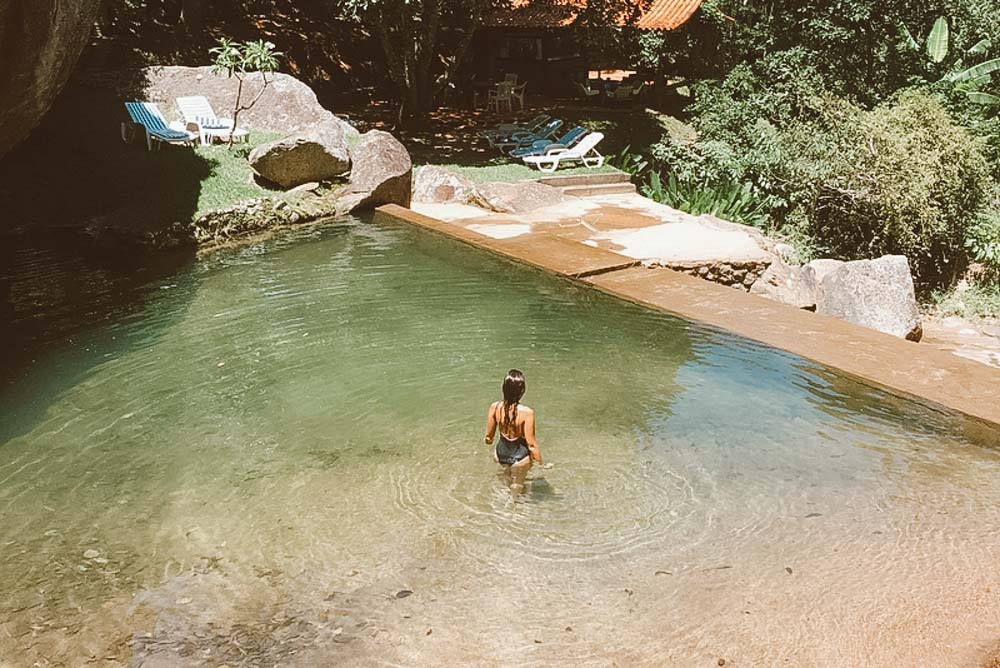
(980, 47)
(984, 98)
(937, 41)
(982, 69)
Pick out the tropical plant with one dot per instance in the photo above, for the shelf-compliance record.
(733, 202)
(634, 164)
(239, 60)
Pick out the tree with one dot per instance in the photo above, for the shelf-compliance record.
(237, 59)
(425, 42)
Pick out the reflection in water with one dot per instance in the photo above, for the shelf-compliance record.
(275, 457)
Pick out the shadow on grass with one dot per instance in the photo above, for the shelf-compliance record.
(75, 166)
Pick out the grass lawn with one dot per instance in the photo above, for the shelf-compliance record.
(229, 178)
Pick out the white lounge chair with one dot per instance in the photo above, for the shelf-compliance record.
(584, 152)
(158, 132)
(197, 111)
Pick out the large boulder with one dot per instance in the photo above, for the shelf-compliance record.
(520, 197)
(796, 286)
(318, 153)
(382, 172)
(287, 105)
(42, 41)
(439, 185)
(873, 293)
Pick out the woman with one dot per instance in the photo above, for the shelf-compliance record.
(516, 448)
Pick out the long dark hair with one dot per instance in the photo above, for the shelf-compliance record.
(513, 390)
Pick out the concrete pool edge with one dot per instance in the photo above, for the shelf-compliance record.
(902, 367)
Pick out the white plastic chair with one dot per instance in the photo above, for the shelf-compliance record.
(584, 152)
(517, 93)
(501, 95)
(511, 78)
(587, 91)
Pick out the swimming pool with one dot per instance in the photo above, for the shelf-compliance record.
(275, 457)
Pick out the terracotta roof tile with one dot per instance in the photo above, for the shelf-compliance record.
(667, 14)
(660, 15)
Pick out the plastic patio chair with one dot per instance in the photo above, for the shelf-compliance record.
(517, 93)
(501, 95)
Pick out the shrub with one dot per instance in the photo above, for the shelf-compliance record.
(983, 242)
(903, 178)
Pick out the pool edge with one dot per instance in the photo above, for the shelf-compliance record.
(881, 360)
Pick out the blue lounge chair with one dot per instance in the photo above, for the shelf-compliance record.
(519, 139)
(541, 146)
(505, 130)
(148, 115)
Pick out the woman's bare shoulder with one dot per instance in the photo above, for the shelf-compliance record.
(525, 410)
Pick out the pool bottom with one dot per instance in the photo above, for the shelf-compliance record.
(279, 461)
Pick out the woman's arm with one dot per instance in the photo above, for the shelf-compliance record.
(529, 436)
(491, 423)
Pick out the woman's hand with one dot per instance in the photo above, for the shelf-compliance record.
(546, 466)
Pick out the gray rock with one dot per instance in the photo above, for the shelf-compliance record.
(873, 293)
(287, 105)
(796, 286)
(821, 268)
(439, 185)
(520, 197)
(382, 172)
(318, 153)
(42, 41)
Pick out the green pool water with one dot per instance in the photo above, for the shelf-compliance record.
(274, 456)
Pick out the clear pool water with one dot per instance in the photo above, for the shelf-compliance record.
(274, 457)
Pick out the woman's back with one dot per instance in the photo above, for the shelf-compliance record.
(511, 419)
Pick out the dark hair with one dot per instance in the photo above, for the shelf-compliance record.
(513, 390)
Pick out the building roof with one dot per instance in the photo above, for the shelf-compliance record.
(659, 15)
(667, 14)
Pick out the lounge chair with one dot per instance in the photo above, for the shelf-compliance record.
(519, 139)
(542, 146)
(584, 152)
(197, 111)
(507, 129)
(148, 115)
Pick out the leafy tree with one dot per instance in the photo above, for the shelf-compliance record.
(237, 59)
(425, 42)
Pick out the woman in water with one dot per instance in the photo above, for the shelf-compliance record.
(516, 448)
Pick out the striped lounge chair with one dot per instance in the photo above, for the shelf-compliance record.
(148, 115)
(197, 110)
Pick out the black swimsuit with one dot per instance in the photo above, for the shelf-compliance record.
(510, 452)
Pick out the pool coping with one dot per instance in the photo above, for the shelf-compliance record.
(881, 360)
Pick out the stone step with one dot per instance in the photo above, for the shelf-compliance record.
(585, 179)
(600, 189)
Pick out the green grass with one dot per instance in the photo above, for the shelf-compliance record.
(978, 300)
(229, 179)
(511, 172)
